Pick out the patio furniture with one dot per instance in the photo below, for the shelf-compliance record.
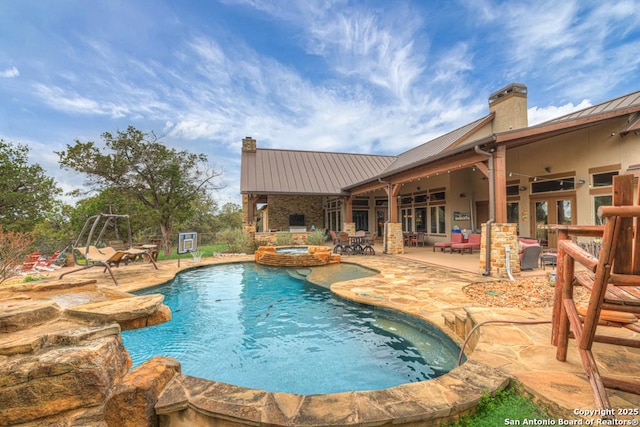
(549, 257)
(455, 238)
(473, 243)
(106, 257)
(344, 245)
(529, 257)
(417, 238)
(613, 280)
(368, 244)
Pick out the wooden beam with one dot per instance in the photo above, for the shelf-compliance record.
(482, 167)
(348, 209)
(466, 160)
(393, 202)
(500, 184)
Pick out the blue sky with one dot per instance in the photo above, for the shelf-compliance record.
(378, 76)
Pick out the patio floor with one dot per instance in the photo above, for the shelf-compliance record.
(429, 285)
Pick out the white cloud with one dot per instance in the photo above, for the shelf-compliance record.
(543, 114)
(10, 73)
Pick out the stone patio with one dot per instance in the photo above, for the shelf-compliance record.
(433, 293)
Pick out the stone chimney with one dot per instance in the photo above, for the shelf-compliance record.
(248, 145)
(509, 105)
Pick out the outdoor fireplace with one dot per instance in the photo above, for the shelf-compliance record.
(296, 223)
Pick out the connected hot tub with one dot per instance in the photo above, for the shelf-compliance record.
(295, 256)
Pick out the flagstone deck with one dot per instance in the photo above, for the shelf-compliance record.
(433, 293)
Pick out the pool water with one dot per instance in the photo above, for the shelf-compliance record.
(261, 327)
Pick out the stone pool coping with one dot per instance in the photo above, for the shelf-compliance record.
(427, 292)
(189, 400)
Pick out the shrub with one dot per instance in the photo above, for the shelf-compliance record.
(284, 239)
(316, 238)
(235, 238)
(14, 246)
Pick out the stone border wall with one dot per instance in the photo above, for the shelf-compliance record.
(502, 235)
(318, 255)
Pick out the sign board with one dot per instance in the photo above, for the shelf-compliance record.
(187, 242)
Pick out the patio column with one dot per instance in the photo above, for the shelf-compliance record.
(393, 241)
(348, 209)
(502, 235)
(500, 184)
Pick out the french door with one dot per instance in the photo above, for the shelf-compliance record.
(548, 211)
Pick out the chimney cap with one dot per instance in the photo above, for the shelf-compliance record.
(509, 89)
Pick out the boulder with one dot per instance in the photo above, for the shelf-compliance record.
(55, 380)
(133, 400)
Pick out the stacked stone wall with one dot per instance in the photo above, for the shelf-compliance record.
(271, 238)
(502, 235)
(318, 255)
(280, 207)
(393, 238)
(349, 228)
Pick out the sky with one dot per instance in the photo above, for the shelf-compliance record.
(367, 76)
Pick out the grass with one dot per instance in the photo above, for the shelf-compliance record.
(507, 407)
(208, 250)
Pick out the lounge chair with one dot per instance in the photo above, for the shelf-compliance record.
(455, 238)
(48, 264)
(106, 257)
(473, 243)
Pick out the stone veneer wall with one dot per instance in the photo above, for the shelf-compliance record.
(349, 228)
(250, 231)
(318, 255)
(280, 207)
(270, 238)
(502, 235)
(394, 239)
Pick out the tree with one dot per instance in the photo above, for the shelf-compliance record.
(229, 216)
(13, 248)
(139, 166)
(26, 193)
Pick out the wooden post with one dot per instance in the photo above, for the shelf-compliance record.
(623, 196)
(348, 209)
(393, 202)
(500, 184)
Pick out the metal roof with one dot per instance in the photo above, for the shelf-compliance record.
(621, 103)
(430, 149)
(311, 172)
(272, 171)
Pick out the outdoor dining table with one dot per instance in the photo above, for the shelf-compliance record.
(356, 243)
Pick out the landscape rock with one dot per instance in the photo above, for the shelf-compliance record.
(133, 400)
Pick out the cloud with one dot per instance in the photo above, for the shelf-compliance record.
(10, 73)
(543, 114)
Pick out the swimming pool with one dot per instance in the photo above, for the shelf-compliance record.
(261, 327)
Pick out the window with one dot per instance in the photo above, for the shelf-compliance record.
(553, 185)
(334, 217)
(603, 179)
(604, 200)
(361, 219)
(421, 219)
(513, 212)
(513, 190)
(437, 219)
(407, 219)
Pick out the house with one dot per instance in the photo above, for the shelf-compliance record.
(493, 171)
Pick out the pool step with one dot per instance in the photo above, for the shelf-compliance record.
(458, 321)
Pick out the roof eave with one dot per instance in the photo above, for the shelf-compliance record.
(443, 154)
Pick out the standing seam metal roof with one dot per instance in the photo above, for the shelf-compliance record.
(306, 172)
(313, 172)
